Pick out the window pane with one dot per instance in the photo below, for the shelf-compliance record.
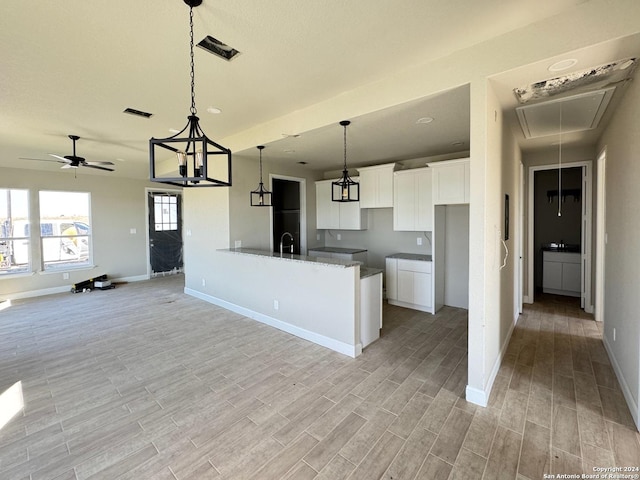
(14, 231)
(65, 229)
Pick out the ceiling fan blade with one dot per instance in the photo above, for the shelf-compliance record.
(98, 167)
(99, 163)
(42, 160)
(68, 165)
(62, 159)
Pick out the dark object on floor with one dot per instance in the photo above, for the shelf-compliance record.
(100, 283)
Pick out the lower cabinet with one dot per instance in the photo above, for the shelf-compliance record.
(409, 284)
(561, 273)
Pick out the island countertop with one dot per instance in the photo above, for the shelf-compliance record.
(292, 257)
(338, 250)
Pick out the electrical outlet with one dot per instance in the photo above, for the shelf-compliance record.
(419, 241)
(339, 237)
(65, 276)
(238, 243)
(188, 232)
(276, 305)
(133, 231)
(204, 282)
(318, 236)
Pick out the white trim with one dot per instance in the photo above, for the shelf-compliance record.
(631, 403)
(303, 209)
(4, 304)
(136, 278)
(350, 350)
(587, 201)
(601, 212)
(481, 397)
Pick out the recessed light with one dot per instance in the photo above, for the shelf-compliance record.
(425, 120)
(214, 110)
(457, 144)
(291, 135)
(562, 65)
(289, 151)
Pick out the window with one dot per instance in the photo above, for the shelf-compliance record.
(14, 231)
(166, 212)
(65, 229)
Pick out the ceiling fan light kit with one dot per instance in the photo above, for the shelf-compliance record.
(187, 158)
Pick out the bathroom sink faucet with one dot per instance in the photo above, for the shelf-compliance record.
(282, 242)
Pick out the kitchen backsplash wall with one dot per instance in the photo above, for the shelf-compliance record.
(379, 239)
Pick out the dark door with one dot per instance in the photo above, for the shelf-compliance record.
(286, 213)
(165, 231)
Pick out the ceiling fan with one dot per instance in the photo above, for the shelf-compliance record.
(73, 161)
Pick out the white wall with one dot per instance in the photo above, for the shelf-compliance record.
(622, 255)
(117, 205)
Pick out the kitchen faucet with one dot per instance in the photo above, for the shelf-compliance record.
(282, 241)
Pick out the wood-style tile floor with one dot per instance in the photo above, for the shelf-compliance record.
(145, 382)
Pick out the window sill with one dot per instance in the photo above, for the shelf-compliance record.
(67, 268)
(13, 276)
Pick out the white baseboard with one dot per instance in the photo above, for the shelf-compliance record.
(633, 405)
(350, 350)
(135, 278)
(481, 397)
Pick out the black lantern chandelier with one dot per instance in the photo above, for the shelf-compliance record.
(261, 197)
(190, 162)
(345, 189)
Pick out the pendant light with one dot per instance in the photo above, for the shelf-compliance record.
(261, 197)
(345, 189)
(187, 158)
(560, 167)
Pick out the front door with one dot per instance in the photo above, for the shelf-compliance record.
(165, 232)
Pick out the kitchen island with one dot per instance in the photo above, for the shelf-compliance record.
(318, 299)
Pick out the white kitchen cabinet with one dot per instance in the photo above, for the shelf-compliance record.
(376, 186)
(332, 215)
(561, 273)
(409, 284)
(370, 308)
(412, 200)
(451, 181)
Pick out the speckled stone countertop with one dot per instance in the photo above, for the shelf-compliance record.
(338, 250)
(411, 256)
(292, 257)
(332, 262)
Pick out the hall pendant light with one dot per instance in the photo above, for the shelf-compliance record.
(190, 158)
(261, 197)
(345, 189)
(560, 167)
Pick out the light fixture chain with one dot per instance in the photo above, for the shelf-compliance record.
(261, 166)
(345, 147)
(193, 76)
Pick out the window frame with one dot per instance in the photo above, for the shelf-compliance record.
(8, 242)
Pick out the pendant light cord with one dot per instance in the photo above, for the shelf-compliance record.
(193, 76)
(261, 167)
(345, 147)
(560, 168)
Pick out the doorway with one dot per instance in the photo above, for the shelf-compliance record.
(560, 216)
(288, 213)
(165, 232)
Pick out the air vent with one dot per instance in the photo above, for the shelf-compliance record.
(215, 46)
(579, 112)
(138, 113)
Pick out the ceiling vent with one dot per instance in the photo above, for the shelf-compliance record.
(137, 113)
(215, 46)
(564, 115)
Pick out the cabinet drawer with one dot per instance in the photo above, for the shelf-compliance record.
(414, 265)
(562, 257)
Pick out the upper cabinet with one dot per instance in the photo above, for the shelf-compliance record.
(450, 181)
(376, 186)
(412, 200)
(332, 215)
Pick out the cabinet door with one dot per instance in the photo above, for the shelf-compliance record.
(405, 286)
(368, 189)
(552, 275)
(422, 289)
(391, 277)
(424, 201)
(450, 183)
(571, 274)
(327, 212)
(350, 216)
(385, 188)
(403, 202)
